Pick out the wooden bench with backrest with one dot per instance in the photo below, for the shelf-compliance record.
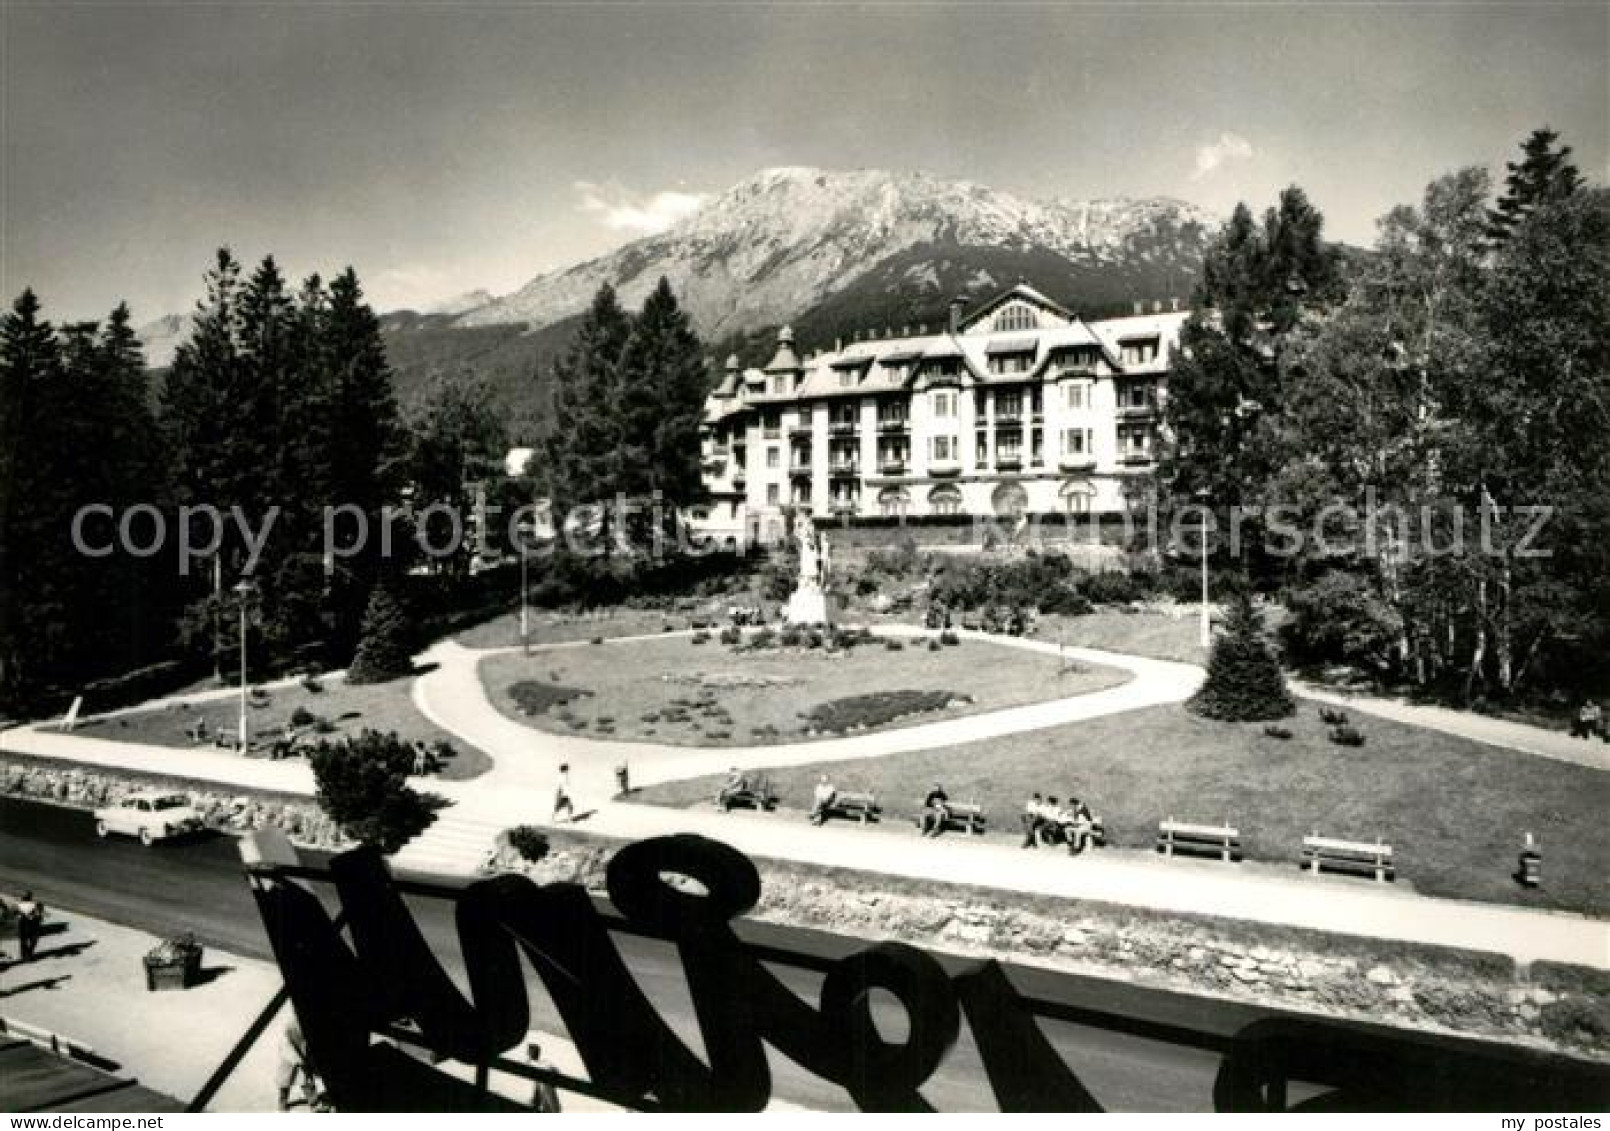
(756, 794)
(964, 816)
(861, 806)
(1348, 856)
(1054, 832)
(1182, 836)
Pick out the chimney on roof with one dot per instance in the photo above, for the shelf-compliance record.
(1174, 303)
(1157, 306)
(1140, 307)
(857, 335)
(922, 328)
(905, 331)
(838, 344)
(956, 305)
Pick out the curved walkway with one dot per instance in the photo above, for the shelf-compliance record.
(453, 697)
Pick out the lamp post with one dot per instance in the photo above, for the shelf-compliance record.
(525, 529)
(1206, 635)
(245, 590)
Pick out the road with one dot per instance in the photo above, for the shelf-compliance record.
(197, 886)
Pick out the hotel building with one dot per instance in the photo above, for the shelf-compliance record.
(1018, 406)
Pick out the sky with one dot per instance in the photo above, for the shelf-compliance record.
(447, 146)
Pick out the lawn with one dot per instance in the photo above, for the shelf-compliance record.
(551, 627)
(703, 694)
(1454, 810)
(1147, 632)
(350, 709)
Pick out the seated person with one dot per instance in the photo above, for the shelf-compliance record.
(1078, 825)
(821, 797)
(1033, 817)
(934, 811)
(737, 783)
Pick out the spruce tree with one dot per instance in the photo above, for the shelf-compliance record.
(363, 786)
(1244, 682)
(385, 651)
(1542, 174)
(581, 459)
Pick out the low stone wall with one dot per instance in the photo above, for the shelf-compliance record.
(233, 811)
(1473, 994)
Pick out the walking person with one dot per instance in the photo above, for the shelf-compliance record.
(561, 794)
(30, 921)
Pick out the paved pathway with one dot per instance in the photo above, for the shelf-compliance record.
(1503, 733)
(518, 790)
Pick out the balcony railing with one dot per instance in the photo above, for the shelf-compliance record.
(844, 468)
(845, 506)
(1008, 461)
(944, 466)
(1132, 411)
(1079, 461)
(893, 423)
(892, 465)
(1132, 459)
(841, 427)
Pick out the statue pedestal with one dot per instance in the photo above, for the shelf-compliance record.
(808, 605)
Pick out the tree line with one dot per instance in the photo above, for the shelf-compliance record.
(1443, 387)
(280, 399)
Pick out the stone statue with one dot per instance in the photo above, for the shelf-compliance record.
(809, 604)
(809, 559)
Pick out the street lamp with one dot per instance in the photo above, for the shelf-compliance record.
(525, 529)
(1202, 552)
(245, 591)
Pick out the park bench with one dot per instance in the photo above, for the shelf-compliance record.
(757, 795)
(1348, 856)
(861, 806)
(964, 816)
(1182, 836)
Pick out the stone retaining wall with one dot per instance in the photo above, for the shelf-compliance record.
(228, 810)
(1474, 994)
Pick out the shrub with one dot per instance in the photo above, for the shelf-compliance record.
(876, 709)
(363, 786)
(533, 697)
(322, 725)
(302, 717)
(1244, 682)
(596, 640)
(933, 644)
(1347, 736)
(385, 651)
(529, 841)
(1275, 731)
(1110, 588)
(792, 636)
(1067, 601)
(312, 684)
(731, 635)
(1340, 619)
(1579, 1021)
(949, 639)
(893, 644)
(1332, 717)
(701, 637)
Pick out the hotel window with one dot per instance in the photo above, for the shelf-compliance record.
(844, 412)
(945, 500)
(774, 457)
(981, 451)
(1137, 395)
(1009, 448)
(1134, 441)
(773, 494)
(1011, 363)
(771, 422)
(943, 449)
(1037, 448)
(1017, 317)
(1076, 442)
(944, 405)
(1140, 352)
(892, 412)
(1008, 404)
(1076, 496)
(1073, 397)
(847, 378)
(893, 501)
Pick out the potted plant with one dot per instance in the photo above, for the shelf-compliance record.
(175, 964)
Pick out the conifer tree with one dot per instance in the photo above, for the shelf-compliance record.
(385, 651)
(1543, 173)
(663, 388)
(1244, 682)
(580, 454)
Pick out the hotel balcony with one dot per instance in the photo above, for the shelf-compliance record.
(893, 424)
(892, 465)
(845, 506)
(1135, 459)
(842, 427)
(800, 467)
(1008, 461)
(844, 469)
(1136, 412)
(799, 429)
(944, 467)
(714, 465)
(1077, 462)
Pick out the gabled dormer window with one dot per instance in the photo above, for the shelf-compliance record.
(1016, 316)
(1139, 351)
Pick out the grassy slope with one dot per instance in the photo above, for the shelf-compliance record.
(1455, 810)
(625, 685)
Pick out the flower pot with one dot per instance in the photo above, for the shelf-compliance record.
(175, 974)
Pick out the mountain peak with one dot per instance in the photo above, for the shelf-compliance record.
(786, 238)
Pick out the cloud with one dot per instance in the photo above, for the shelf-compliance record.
(1229, 147)
(621, 210)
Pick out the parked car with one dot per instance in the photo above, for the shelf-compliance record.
(149, 815)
